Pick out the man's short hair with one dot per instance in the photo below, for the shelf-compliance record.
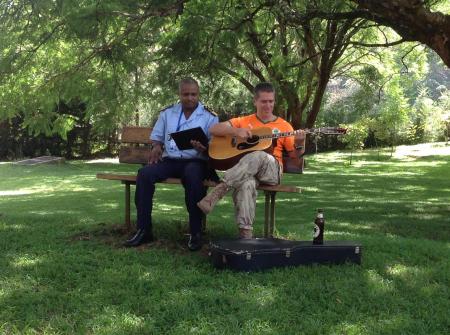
(187, 81)
(263, 87)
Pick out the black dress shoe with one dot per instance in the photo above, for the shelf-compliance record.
(142, 236)
(195, 242)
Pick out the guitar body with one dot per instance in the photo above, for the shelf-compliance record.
(226, 151)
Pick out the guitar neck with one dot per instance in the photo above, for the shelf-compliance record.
(278, 135)
(307, 131)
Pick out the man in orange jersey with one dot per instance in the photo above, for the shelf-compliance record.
(256, 167)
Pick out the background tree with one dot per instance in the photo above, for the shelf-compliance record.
(355, 135)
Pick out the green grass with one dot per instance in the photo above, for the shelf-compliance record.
(63, 271)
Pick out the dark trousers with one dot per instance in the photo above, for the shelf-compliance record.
(192, 173)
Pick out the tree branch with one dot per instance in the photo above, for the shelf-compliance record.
(235, 75)
(375, 45)
(251, 67)
(404, 56)
(413, 21)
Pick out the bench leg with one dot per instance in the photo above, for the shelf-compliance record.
(269, 213)
(272, 213)
(203, 223)
(266, 213)
(127, 207)
(204, 216)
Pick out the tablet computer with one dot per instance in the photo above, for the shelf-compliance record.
(183, 138)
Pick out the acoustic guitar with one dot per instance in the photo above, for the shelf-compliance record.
(226, 151)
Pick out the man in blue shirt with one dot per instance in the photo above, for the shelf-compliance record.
(167, 161)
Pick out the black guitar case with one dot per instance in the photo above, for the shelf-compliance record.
(264, 253)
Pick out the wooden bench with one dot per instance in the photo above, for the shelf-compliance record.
(135, 149)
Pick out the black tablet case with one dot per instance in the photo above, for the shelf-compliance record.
(183, 138)
(264, 253)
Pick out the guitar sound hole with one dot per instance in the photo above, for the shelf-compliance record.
(251, 142)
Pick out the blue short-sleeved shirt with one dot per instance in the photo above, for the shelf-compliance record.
(172, 119)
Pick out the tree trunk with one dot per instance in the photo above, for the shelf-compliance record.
(317, 102)
(86, 140)
(293, 110)
(136, 96)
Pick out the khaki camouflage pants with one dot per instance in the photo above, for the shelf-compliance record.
(253, 169)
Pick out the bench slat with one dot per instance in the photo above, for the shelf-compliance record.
(134, 155)
(132, 178)
(136, 135)
(139, 155)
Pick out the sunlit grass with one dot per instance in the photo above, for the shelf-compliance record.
(63, 270)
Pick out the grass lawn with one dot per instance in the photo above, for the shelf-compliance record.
(63, 270)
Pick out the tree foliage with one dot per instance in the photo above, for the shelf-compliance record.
(88, 51)
(120, 59)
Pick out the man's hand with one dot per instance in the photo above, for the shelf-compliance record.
(242, 133)
(198, 146)
(155, 154)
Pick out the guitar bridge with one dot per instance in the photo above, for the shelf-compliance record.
(233, 142)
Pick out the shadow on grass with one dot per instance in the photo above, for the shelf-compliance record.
(63, 269)
(83, 288)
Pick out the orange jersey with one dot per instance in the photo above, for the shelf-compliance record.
(278, 125)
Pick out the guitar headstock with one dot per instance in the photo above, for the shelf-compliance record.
(340, 131)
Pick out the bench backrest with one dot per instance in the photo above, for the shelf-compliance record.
(135, 148)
